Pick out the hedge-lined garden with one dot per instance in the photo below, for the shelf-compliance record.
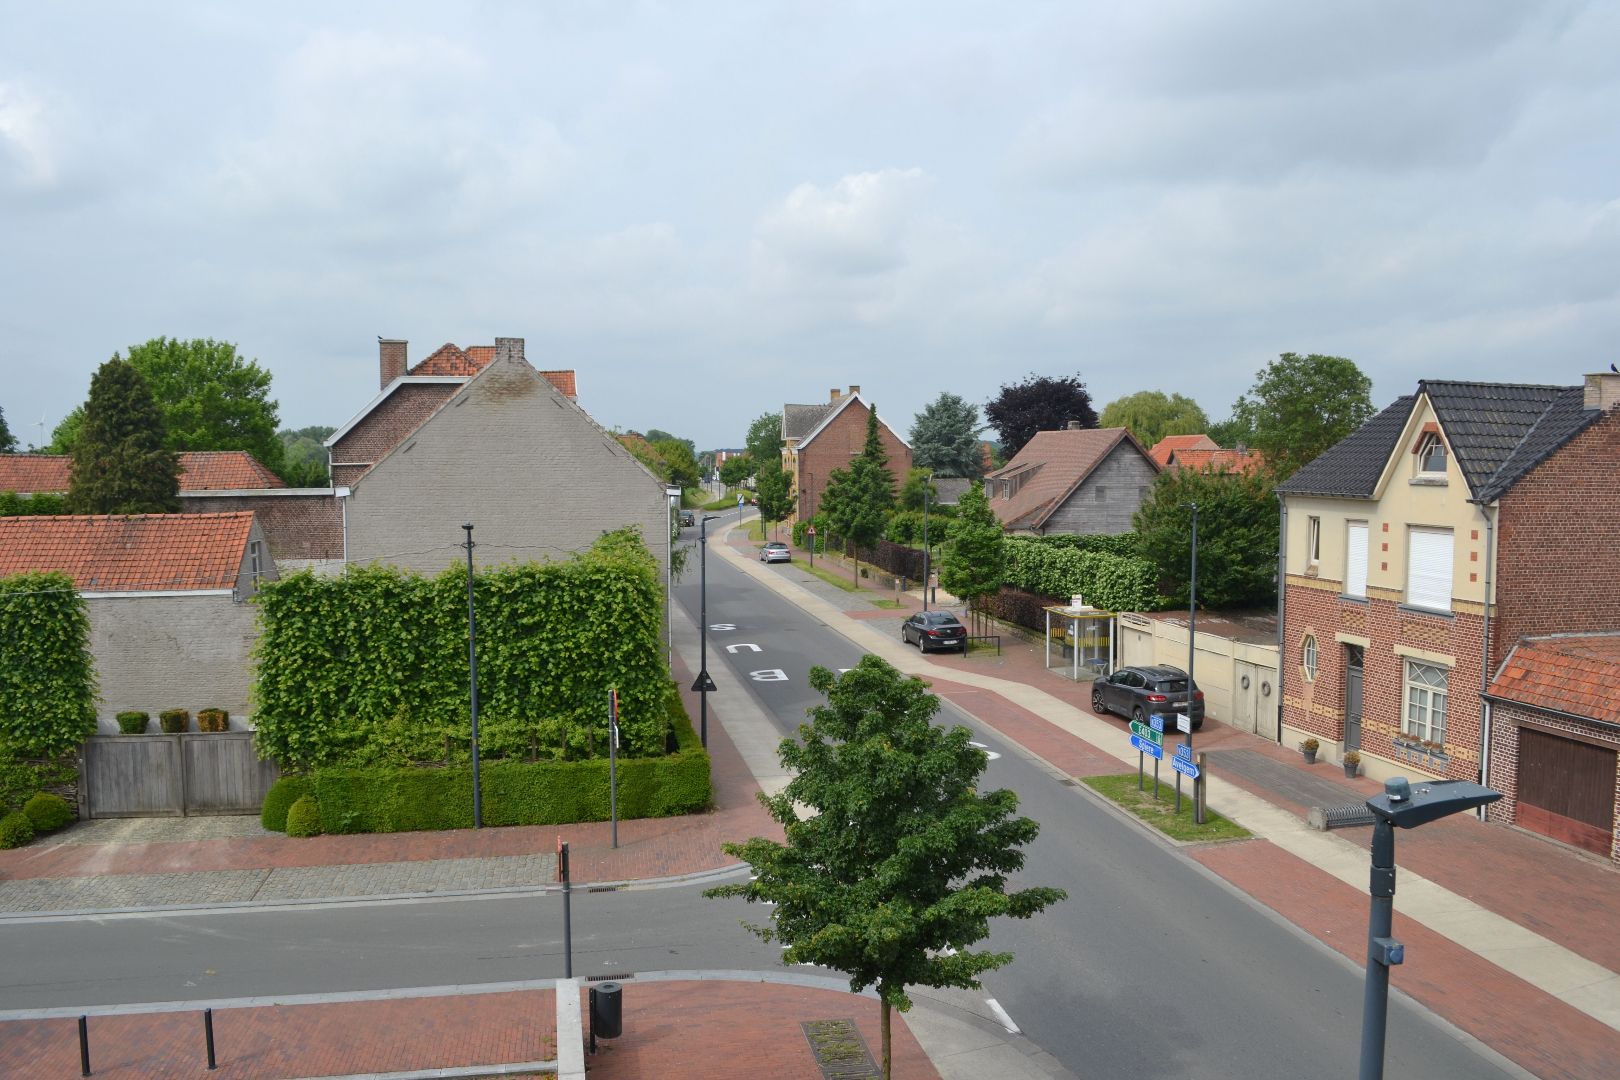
(1114, 582)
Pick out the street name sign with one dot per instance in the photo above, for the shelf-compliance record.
(1157, 721)
(1147, 733)
(1184, 767)
(1144, 747)
(1184, 751)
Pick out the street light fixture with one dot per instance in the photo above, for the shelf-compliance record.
(1406, 807)
(703, 684)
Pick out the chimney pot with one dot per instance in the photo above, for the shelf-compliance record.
(1602, 390)
(1072, 425)
(391, 362)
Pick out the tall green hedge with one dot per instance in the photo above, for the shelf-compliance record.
(371, 668)
(1111, 582)
(47, 676)
(1123, 544)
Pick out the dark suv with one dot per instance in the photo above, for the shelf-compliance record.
(1138, 692)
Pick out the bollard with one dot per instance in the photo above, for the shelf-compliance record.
(208, 1033)
(84, 1047)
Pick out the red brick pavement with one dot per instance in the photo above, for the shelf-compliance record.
(273, 1042)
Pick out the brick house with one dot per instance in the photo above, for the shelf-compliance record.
(1076, 480)
(816, 439)
(478, 435)
(1419, 550)
(169, 623)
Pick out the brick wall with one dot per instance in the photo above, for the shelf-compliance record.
(1558, 562)
(297, 528)
(399, 414)
(171, 652)
(1122, 479)
(833, 448)
(1505, 720)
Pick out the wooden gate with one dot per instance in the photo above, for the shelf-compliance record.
(1566, 790)
(174, 775)
(1246, 696)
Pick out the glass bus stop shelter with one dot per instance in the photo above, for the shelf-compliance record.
(1083, 639)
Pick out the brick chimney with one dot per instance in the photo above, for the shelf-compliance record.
(1073, 425)
(508, 348)
(390, 359)
(853, 390)
(1603, 390)
(835, 394)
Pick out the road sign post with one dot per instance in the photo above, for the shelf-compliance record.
(811, 533)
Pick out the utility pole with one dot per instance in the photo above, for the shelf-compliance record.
(472, 663)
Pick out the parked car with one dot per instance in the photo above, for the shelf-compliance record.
(1139, 692)
(934, 630)
(688, 519)
(775, 551)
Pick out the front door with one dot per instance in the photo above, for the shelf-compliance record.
(1352, 697)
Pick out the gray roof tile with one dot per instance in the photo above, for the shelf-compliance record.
(1351, 467)
(800, 420)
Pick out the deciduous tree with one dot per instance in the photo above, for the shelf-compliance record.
(772, 494)
(764, 441)
(1237, 537)
(902, 861)
(975, 562)
(8, 441)
(1153, 414)
(121, 464)
(1039, 403)
(735, 470)
(945, 438)
(1301, 405)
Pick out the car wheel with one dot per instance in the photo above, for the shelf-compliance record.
(1097, 705)
(905, 638)
(1138, 715)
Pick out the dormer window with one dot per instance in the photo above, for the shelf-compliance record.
(1431, 455)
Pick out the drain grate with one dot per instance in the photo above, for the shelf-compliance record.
(840, 1052)
(1339, 817)
(609, 978)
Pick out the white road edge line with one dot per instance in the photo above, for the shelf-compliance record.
(1001, 1015)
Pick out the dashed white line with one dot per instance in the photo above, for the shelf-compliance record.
(1001, 1015)
(989, 753)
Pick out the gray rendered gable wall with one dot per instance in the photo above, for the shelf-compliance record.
(1122, 475)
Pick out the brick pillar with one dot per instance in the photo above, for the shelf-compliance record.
(391, 362)
(508, 348)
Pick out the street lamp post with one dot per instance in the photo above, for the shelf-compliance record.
(703, 684)
(472, 662)
(925, 543)
(673, 493)
(1400, 806)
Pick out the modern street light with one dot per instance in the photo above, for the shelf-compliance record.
(472, 662)
(1406, 807)
(673, 493)
(926, 578)
(703, 684)
(1192, 654)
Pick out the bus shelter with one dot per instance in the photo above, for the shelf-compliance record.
(1083, 639)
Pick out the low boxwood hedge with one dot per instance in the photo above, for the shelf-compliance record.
(304, 818)
(133, 722)
(47, 812)
(279, 799)
(15, 829)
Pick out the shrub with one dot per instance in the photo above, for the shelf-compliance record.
(1108, 581)
(47, 676)
(47, 812)
(304, 817)
(279, 799)
(133, 723)
(21, 779)
(15, 830)
(174, 721)
(213, 720)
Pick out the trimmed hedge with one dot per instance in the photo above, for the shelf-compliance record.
(15, 830)
(133, 723)
(515, 792)
(213, 720)
(304, 818)
(279, 799)
(1122, 544)
(174, 721)
(47, 675)
(47, 812)
(1111, 582)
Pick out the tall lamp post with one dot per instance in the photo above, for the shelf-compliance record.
(1405, 807)
(673, 493)
(703, 684)
(472, 662)
(926, 485)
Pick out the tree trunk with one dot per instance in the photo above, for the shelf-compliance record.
(888, 1062)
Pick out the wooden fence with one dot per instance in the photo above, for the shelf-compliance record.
(173, 775)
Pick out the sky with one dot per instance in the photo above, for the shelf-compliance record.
(708, 210)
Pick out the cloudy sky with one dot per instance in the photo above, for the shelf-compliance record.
(710, 209)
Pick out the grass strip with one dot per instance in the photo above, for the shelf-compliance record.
(1161, 812)
(828, 576)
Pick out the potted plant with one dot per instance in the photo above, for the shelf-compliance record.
(1352, 762)
(133, 722)
(1309, 748)
(213, 720)
(174, 721)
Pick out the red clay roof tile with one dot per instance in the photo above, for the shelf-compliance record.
(1578, 674)
(200, 470)
(454, 361)
(1164, 447)
(134, 553)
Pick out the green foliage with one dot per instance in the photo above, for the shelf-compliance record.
(174, 721)
(15, 830)
(8, 441)
(1111, 582)
(764, 442)
(47, 676)
(1039, 403)
(279, 799)
(1153, 414)
(120, 462)
(21, 779)
(773, 494)
(802, 540)
(1237, 537)
(734, 470)
(1301, 405)
(133, 722)
(47, 812)
(396, 799)
(857, 500)
(1107, 543)
(304, 817)
(39, 504)
(304, 456)
(213, 720)
(371, 668)
(945, 438)
(902, 861)
(976, 560)
(917, 489)
(680, 466)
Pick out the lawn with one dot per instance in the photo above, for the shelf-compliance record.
(828, 576)
(1161, 813)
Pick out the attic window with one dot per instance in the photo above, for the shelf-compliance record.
(1431, 455)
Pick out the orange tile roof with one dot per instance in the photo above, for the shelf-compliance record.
(564, 382)
(1579, 674)
(1170, 443)
(1056, 462)
(1244, 461)
(452, 360)
(200, 470)
(134, 553)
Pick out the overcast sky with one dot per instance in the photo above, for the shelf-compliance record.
(710, 209)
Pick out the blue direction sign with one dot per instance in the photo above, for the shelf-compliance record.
(1184, 751)
(1151, 735)
(1157, 721)
(1184, 767)
(1144, 747)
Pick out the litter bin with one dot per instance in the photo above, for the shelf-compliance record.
(607, 1011)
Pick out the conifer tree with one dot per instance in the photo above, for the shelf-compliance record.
(120, 465)
(976, 560)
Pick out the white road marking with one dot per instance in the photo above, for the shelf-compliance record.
(774, 674)
(722, 626)
(743, 645)
(1001, 1015)
(989, 753)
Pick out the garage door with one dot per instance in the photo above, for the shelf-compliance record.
(1566, 790)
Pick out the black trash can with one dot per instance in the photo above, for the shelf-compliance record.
(607, 1011)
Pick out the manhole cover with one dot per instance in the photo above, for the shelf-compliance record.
(840, 1052)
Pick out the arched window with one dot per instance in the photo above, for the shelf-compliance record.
(1308, 662)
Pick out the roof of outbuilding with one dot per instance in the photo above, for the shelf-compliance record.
(133, 553)
(200, 470)
(1171, 443)
(1057, 463)
(1226, 461)
(1576, 674)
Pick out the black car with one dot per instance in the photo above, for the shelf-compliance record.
(934, 630)
(1139, 692)
(687, 519)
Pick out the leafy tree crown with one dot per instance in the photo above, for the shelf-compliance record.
(1152, 414)
(1039, 403)
(945, 438)
(1301, 405)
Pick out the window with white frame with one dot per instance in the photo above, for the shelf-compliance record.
(1308, 657)
(1425, 702)
(1313, 540)
(1431, 456)
(1355, 559)
(1428, 569)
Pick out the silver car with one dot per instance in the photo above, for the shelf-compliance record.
(775, 551)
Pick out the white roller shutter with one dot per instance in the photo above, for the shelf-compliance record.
(1355, 560)
(1428, 569)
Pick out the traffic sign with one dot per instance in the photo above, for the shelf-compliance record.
(739, 500)
(1142, 730)
(1184, 751)
(1184, 767)
(1157, 721)
(1183, 724)
(811, 531)
(702, 684)
(1142, 746)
